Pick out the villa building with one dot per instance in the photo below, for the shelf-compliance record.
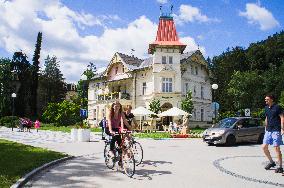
(166, 75)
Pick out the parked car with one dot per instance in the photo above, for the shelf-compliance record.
(234, 130)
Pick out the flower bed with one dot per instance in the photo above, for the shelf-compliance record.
(179, 135)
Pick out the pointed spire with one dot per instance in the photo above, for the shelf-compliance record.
(166, 34)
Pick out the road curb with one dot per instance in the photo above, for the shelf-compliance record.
(21, 182)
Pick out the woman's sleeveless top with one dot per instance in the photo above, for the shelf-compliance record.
(116, 122)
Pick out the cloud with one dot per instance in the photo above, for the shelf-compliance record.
(162, 1)
(192, 45)
(188, 13)
(21, 20)
(260, 16)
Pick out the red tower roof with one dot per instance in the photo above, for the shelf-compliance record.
(166, 35)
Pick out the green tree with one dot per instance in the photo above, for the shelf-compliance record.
(22, 68)
(35, 74)
(52, 87)
(155, 107)
(62, 114)
(82, 86)
(187, 104)
(281, 99)
(5, 87)
(246, 90)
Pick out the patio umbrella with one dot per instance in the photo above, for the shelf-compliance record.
(141, 111)
(173, 112)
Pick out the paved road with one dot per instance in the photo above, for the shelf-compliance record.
(167, 163)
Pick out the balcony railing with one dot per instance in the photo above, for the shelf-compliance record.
(113, 96)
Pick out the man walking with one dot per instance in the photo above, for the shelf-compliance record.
(103, 124)
(274, 124)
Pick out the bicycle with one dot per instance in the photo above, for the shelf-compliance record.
(122, 155)
(136, 148)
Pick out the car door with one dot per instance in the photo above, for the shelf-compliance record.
(240, 130)
(252, 128)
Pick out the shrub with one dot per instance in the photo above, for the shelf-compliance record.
(9, 121)
(226, 114)
(64, 113)
(259, 113)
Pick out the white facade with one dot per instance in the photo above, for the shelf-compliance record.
(138, 86)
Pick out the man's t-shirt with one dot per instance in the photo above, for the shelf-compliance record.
(273, 117)
(129, 118)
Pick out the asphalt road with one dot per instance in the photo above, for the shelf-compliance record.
(169, 163)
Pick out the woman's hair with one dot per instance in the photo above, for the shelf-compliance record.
(112, 110)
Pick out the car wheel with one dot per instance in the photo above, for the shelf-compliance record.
(260, 138)
(231, 140)
(210, 144)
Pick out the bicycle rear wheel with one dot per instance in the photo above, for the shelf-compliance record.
(109, 159)
(138, 152)
(128, 162)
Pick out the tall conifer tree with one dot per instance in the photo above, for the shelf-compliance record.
(35, 74)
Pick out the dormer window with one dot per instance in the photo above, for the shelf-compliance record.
(164, 60)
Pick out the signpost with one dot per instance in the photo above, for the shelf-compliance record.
(83, 113)
(247, 112)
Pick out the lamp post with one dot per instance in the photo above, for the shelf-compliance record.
(83, 78)
(214, 87)
(14, 95)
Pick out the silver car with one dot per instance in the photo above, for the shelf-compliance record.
(235, 129)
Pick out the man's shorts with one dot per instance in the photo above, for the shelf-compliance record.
(273, 138)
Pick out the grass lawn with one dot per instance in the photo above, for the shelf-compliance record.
(154, 135)
(197, 130)
(17, 159)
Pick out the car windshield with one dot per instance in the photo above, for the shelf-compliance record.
(225, 123)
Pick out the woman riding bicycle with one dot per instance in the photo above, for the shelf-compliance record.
(116, 119)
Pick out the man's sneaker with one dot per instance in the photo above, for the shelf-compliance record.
(279, 170)
(270, 165)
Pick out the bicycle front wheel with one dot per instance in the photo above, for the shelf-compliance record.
(107, 148)
(138, 152)
(128, 162)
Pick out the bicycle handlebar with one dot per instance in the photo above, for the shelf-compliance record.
(121, 133)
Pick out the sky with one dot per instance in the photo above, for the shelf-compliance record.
(81, 31)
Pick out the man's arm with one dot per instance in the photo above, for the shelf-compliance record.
(265, 122)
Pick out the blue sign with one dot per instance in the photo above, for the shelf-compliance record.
(83, 113)
(215, 105)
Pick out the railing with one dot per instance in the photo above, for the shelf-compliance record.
(113, 96)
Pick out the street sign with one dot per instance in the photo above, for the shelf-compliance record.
(247, 112)
(215, 106)
(83, 113)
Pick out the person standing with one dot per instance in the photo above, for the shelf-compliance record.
(129, 117)
(274, 129)
(103, 124)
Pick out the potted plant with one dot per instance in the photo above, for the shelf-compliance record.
(84, 132)
(74, 132)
